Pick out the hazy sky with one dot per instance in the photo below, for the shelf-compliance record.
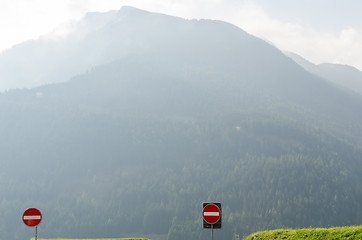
(319, 30)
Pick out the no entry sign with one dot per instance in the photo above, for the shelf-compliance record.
(211, 214)
(32, 217)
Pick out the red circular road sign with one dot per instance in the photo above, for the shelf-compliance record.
(32, 217)
(211, 213)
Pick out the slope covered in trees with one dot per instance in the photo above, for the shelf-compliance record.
(151, 136)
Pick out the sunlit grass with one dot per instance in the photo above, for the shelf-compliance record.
(338, 233)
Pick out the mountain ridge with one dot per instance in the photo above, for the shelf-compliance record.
(100, 36)
(344, 76)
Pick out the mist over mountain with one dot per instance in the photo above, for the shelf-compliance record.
(150, 115)
(341, 75)
(98, 38)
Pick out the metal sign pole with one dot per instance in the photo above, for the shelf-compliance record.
(212, 232)
(36, 232)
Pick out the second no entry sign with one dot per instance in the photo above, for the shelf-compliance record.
(211, 213)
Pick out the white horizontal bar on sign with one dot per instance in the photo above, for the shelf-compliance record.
(32, 217)
(211, 214)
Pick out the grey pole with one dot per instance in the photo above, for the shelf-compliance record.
(212, 232)
(36, 232)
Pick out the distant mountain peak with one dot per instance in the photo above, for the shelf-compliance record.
(101, 38)
(96, 20)
(133, 10)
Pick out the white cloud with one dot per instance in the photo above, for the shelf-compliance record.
(21, 20)
(344, 47)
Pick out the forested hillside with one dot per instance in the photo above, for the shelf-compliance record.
(133, 147)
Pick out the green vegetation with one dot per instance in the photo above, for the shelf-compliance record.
(338, 233)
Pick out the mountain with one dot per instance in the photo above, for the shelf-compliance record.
(52, 59)
(342, 75)
(192, 111)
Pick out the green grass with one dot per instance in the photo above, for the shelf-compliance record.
(338, 233)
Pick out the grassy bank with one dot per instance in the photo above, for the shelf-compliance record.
(338, 233)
